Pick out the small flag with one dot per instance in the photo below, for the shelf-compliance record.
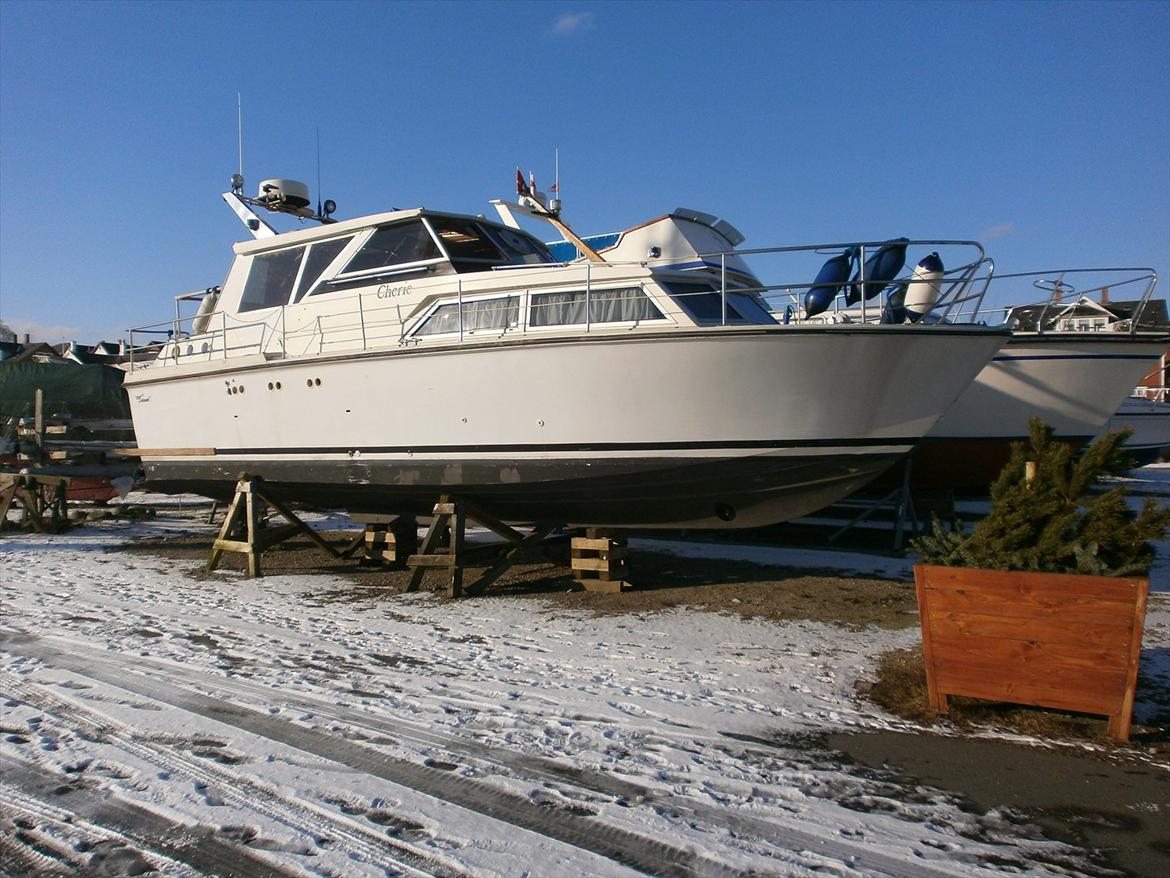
(554, 187)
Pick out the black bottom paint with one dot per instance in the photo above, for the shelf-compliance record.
(698, 492)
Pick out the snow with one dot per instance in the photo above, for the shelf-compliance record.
(322, 729)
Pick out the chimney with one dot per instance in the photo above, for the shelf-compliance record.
(1104, 295)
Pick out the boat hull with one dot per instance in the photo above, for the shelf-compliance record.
(1149, 419)
(718, 429)
(1074, 382)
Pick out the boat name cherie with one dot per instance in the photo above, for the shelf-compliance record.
(389, 291)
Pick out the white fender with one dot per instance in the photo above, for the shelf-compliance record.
(203, 314)
(922, 290)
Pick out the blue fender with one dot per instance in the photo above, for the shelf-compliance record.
(894, 310)
(828, 283)
(881, 268)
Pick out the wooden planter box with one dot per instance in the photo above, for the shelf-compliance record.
(1048, 639)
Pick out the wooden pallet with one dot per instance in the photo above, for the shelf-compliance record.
(600, 561)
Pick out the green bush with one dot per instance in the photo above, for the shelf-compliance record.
(1052, 522)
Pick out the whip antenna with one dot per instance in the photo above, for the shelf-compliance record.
(240, 129)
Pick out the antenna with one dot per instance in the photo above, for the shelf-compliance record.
(318, 170)
(555, 203)
(240, 129)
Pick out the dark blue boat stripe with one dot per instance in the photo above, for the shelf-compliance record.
(731, 445)
(990, 440)
(1076, 357)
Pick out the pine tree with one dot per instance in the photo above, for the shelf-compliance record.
(1045, 515)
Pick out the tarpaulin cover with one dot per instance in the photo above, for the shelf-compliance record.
(70, 389)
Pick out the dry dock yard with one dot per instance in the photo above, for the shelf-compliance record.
(723, 719)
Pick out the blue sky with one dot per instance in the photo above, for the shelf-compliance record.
(1041, 128)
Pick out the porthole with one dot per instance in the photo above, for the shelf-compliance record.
(309, 382)
(278, 385)
(317, 382)
(270, 386)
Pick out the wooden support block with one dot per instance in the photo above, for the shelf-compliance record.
(599, 561)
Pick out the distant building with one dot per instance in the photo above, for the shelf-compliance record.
(1085, 315)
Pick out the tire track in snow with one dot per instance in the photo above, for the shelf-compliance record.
(197, 848)
(623, 846)
(246, 793)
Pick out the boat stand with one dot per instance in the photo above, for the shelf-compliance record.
(599, 561)
(443, 544)
(906, 509)
(41, 500)
(900, 500)
(387, 539)
(245, 518)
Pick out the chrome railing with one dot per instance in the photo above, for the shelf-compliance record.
(360, 320)
(1063, 308)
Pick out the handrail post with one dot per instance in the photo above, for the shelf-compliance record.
(861, 277)
(588, 296)
(283, 331)
(362, 320)
(723, 286)
(223, 331)
(459, 290)
(130, 333)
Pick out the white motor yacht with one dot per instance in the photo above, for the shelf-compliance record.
(373, 364)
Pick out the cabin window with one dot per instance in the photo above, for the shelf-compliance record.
(395, 245)
(319, 258)
(497, 314)
(270, 279)
(519, 246)
(704, 304)
(622, 305)
(465, 240)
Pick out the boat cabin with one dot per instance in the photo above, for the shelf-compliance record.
(419, 276)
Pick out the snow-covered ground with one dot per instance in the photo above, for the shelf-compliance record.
(298, 725)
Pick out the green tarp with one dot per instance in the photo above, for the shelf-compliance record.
(69, 389)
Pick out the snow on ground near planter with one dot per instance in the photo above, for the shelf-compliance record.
(303, 724)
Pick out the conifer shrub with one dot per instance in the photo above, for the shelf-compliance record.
(1054, 522)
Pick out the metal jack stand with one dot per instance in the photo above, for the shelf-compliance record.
(901, 500)
(244, 515)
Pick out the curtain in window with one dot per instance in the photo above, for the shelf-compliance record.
(484, 314)
(626, 304)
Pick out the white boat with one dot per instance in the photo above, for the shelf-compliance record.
(376, 363)
(1071, 360)
(1071, 364)
(1147, 414)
